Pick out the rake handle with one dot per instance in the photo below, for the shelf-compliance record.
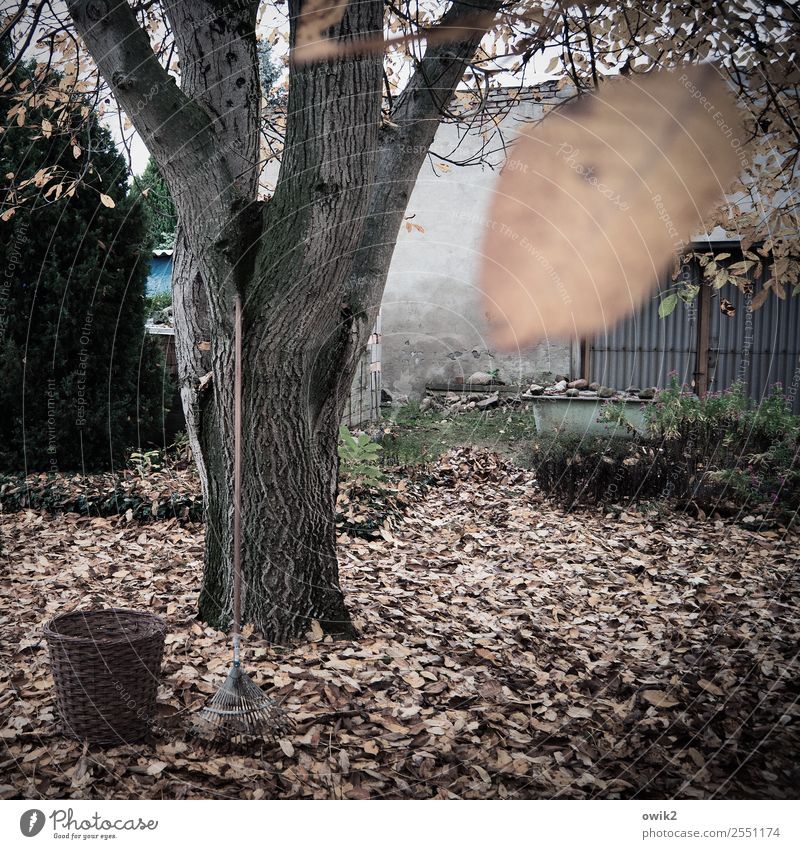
(237, 478)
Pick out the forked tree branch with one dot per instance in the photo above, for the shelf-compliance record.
(175, 129)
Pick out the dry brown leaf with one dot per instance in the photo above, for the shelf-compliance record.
(658, 698)
(758, 299)
(428, 613)
(315, 632)
(107, 201)
(156, 767)
(594, 202)
(710, 687)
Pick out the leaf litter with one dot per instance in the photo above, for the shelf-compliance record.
(509, 649)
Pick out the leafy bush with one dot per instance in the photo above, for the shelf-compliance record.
(598, 470)
(358, 457)
(144, 462)
(102, 495)
(721, 452)
(80, 382)
(155, 204)
(156, 302)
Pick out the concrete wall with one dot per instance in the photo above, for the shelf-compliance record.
(434, 328)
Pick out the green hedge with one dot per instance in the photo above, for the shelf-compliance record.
(80, 381)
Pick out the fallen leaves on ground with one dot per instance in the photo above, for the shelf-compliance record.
(508, 650)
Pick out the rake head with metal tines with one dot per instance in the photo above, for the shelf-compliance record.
(240, 709)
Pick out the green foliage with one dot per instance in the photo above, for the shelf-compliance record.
(667, 305)
(751, 450)
(615, 412)
(79, 380)
(358, 457)
(151, 194)
(598, 470)
(159, 301)
(721, 452)
(415, 438)
(145, 462)
(98, 496)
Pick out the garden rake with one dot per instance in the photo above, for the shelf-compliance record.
(240, 708)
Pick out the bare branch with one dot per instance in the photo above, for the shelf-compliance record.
(175, 129)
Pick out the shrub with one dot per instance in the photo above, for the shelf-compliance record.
(153, 197)
(80, 382)
(358, 457)
(599, 470)
(721, 452)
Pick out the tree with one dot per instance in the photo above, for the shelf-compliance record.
(312, 260)
(79, 382)
(307, 264)
(157, 207)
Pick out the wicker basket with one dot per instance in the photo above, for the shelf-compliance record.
(106, 666)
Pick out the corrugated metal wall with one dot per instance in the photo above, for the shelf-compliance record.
(644, 349)
(757, 348)
(364, 402)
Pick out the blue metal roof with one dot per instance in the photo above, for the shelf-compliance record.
(160, 276)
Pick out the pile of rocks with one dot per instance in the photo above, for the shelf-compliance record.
(162, 317)
(581, 388)
(458, 402)
(453, 402)
(482, 391)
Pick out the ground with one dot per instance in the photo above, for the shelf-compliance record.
(508, 650)
(411, 436)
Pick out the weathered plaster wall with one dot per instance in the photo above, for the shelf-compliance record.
(434, 328)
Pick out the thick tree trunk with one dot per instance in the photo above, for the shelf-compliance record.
(310, 272)
(289, 477)
(298, 358)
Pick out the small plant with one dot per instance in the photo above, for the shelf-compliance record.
(358, 456)
(180, 452)
(158, 301)
(614, 412)
(721, 452)
(145, 462)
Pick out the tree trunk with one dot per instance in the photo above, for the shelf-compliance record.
(289, 481)
(298, 358)
(310, 273)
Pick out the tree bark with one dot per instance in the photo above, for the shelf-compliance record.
(310, 265)
(298, 338)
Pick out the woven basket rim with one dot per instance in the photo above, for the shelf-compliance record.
(50, 628)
